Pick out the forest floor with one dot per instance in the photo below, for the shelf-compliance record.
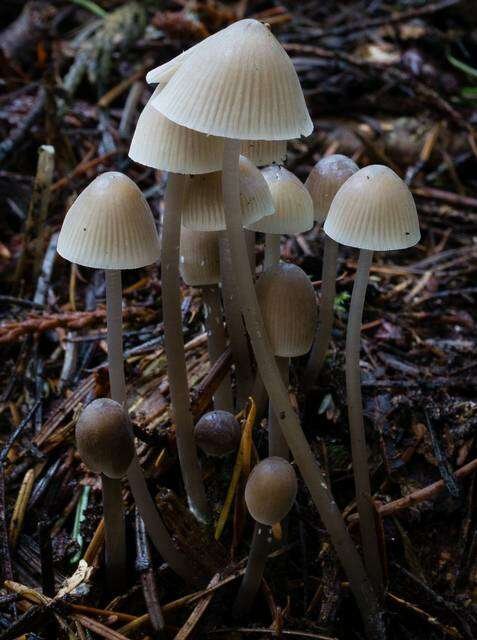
(388, 83)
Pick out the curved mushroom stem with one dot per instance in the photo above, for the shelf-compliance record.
(235, 327)
(174, 347)
(262, 543)
(367, 523)
(325, 313)
(289, 424)
(277, 445)
(147, 508)
(216, 343)
(272, 250)
(114, 533)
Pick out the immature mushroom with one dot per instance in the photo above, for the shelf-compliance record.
(288, 304)
(199, 265)
(293, 211)
(110, 226)
(269, 494)
(324, 180)
(240, 84)
(218, 433)
(373, 211)
(106, 446)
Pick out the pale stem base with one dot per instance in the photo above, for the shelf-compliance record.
(114, 533)
(277, 445)
(272, 250)
(262, 543)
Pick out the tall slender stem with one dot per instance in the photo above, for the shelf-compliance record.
(277, 445)
(272, 250)
(278, 395)
(147, 508)
(262, 543)
(114, 532)
(367, 524)
(250, 240)
(217, 343)
(174, 347)
(236, 330)
(325, 314)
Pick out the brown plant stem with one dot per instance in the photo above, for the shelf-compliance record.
(174, 347)
(261, 546)
(369, 538)
(277, 445)
(115, 533)
(289, 424)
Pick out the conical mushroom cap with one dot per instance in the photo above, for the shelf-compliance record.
(288, 304)
(199, 261)
(109, 226)
(239, 83)
(325, 179)
(160, 143)
(293, 204)
(203, 206)
(373, 210)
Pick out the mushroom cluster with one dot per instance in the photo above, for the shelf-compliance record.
(220, 112)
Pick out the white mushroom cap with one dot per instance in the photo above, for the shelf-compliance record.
(109, 226)
(293, 204)
(374, 210)
(159, 143)
(263, 152)
(288, 304)
(325, 179)
(199, 261)
(239, 83)
(203, 206)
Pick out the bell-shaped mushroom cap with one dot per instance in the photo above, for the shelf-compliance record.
(199, 261)
(203, 206)
(374, 210)
(217, 433)
(109, 226)
(104, 438)
(288, 304)
(325, 179)
(293, 204)
(271, 490)
(263, 152)
(239, 83)
(160, 143)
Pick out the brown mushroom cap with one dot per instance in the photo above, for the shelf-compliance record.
(288, 304)
(104, 439)
(271, 490)
(217, 433)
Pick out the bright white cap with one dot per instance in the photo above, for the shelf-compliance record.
(288, 304)
(159, 143)
(199, 261)
(203, 206)
(325, 179)
(239, 83)
(374, 210)
(293, 204)
(109, 226)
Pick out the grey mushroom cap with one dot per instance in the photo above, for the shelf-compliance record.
(271, 490)
(217, 433)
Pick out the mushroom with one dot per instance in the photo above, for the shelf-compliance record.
(110, 226)
(293, 211)
(231, 86)
(288, 305)
(217, 433)
(106, 446)
(324, 180)
(269, 494)
(373, 211)
(199, 265)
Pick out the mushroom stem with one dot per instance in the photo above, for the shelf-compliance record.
(325, 314)
(114, 318)
(259, 550)
(114, 532)
(277, 445)
(235, 327)
(277, 392)
(174, 347)
(250, 240)
(216, 343)
(272, 250)
(359, 452)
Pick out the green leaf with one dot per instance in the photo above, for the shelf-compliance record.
(91, 6)
(469, 92)
(466, 68)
